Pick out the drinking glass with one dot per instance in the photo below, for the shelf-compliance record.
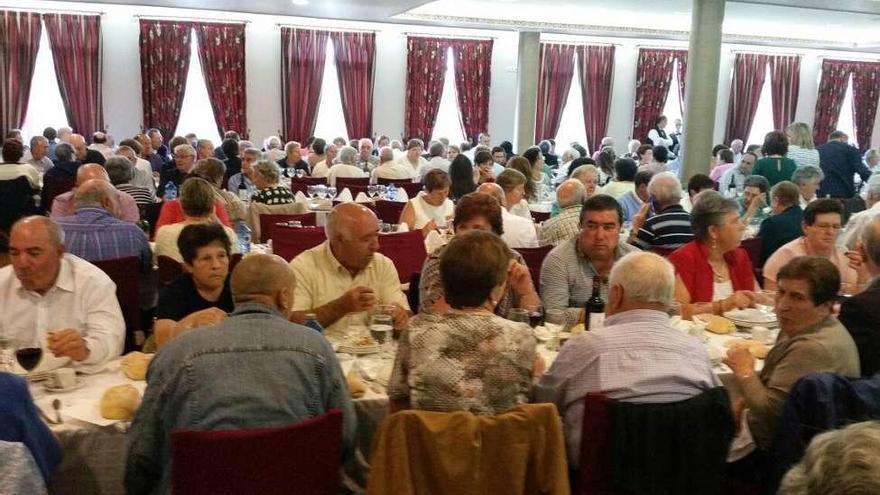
(300, 173)
(372, 190)
(554, 321)
(382, 190)
(29, 354)
(5, 358)
(321, 191)
(331, 192)
(310, 192)
(519, 315)
(536, 315)
(381, 328)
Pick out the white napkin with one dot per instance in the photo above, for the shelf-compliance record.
(403, 227)
(401, 196)
(299, 197)
(344, 196)
(433, 241)
(362, 198)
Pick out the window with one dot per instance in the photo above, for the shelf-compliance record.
(672, 110)
(763, 122)
(331, 120)
(846, 119)
(571, 124)
(45, 108)
(196, 114)
(448, 123)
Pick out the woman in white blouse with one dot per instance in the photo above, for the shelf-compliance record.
(432, 208)
(658, 135)
(800, 145)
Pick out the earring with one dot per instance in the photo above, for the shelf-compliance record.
(714, 244)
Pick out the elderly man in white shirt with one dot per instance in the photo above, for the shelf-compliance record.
(413, 155)
(56, 300)
(519, 232)
(438, 160)
(390, 168)
(99, 144)
(346, 167)
(853, 231)
(322, 168)
(345, 278)
(38, 154)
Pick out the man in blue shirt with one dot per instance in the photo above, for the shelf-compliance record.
(839, 162)
(255, 369)
(19, 423)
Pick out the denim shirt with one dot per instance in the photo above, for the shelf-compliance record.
(253, 370)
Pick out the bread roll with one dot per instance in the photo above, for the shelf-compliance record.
(135, 365)
(756, 349)
(356, 387)
(718, 324)
(120, 402)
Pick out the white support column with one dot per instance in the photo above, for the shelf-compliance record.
(528, 60)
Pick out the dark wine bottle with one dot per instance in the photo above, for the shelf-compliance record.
(594, 308)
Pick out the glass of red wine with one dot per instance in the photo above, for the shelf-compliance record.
(28, 355)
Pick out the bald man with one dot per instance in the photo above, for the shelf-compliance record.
(345, 278)
(570, 195)
(255, 369)
(82, 152)
(126, 208)
(57, 301)
(519, 232)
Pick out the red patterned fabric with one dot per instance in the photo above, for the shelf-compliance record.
(596, 76)
(554, 81)
(473, 77)
(19, 43)
(653, 76)
(355, 69)
(303, 52)
(866, 91)
(425, 74)
(76, 49)
(165, 50)
(681, 72)
(785, 81)
(749, 71)
(221, 53)
(832, 88)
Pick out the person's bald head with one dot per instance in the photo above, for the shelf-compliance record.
(571, 192)
(91, 171)
(353, 233)
(95, 193)
(79, 146)
(494, 190)
(263, 279)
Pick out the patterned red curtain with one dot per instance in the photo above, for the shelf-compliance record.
(473, 77)
(653, 76)
(832, 88)
(749, 71)
(866, 91)
(596, 65)
(425, 71)
(355, 69)
(221, 53)
(303, 52)
(76, 49)
(19, 43)
(785, 81)
(165, 50)
(681, 73)
(554, 82)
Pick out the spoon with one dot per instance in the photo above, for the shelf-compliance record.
(56, 404)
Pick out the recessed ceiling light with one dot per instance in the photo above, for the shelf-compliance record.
(299, 2)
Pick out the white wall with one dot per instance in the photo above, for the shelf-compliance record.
(123, 106)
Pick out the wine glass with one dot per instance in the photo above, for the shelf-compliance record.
(331, 192)
(519, 315)
(300, 173)
(321, 191)
(555, 321)
(29, 354)
(310, 192)
(381, 328)
(372, 190)
(382, 190)
(536, 316)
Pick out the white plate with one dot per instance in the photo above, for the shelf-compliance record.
(52, 390)
(359, 350)
(751, 317)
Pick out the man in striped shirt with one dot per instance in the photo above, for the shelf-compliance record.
(670, 226)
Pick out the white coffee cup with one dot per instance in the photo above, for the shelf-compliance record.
(63, 378)
(761, 334)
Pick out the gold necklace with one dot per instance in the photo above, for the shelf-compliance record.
(719, 277)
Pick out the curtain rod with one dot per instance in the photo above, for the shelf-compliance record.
(579, 43)
(655, 47)
(849, 59)
(52, 11)
(453, 36)
(191, 19)
(769, 53)
(331, 29)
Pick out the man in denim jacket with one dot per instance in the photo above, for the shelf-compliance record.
(253, 370)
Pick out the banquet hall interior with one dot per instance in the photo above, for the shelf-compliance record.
(440, 246)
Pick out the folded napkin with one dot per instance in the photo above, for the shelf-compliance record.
(402, 227)
(344, 196)
(299, 197)
(401, 196)
(433, 241)
(362, 198)
(356, 387)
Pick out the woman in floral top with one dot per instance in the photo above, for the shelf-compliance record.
(469, 359)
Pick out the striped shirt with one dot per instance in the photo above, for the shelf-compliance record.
(93, 234)
(669, 229)
(637, 356)
(141, 195)
(562, 227)
(567, 277)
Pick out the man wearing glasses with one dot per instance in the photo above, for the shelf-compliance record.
(568, 270)
(823, 220)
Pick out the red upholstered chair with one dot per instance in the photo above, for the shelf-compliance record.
(412, 188)
(348, 182)
(753, 248)
(302, 458)
(302, 183)
(266, 221)
(406, 250)
(389, 211)
(125, 273)
(169, 268)
(288, 242)
(353, 188)
(540, 216)
(534, 257)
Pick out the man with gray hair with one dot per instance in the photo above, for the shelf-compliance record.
(860, 314)
(519, 232)
(570, 195)
(346, 167)
(365, 160)
(390, 168)
(83, 153)
(872, 159)
(101, 144)
(292, 160)
(184, 161)
(39, 154)
(852, 232)
(204, 149)
(670, 226)
(437, 159)
(126, 208)
(141, 172)
(121, 174)
(660, 363)
(94, 234)
(273, 149)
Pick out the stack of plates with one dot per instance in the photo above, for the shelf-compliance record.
(358, 349)
(752, 317)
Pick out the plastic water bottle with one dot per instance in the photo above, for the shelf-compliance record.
(391, 192)
(313, 323)
(243, 191)
(243, 232)
(170, 191)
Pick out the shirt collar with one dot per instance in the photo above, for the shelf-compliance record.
(247, 308)
(64, 281)
(640, 316)
(337, 266)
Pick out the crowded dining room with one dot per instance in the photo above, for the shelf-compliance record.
(430, 247)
